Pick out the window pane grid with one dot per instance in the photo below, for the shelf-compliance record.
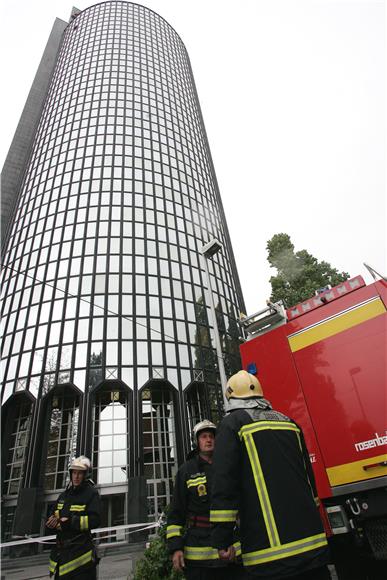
(159, 446)
(14, 469)
(62, 440)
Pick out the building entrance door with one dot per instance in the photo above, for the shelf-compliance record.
(113, 513)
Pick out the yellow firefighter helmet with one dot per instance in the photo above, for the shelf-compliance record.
(243, 385)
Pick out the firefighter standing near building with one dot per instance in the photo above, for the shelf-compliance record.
(191, 551)
(263, 473)
(75, 513)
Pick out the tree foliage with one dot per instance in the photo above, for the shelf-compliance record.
(299, 274)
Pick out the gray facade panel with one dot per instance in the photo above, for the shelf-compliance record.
(18, 154)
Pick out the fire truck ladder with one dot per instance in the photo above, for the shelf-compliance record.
(264, 320)
(373, 272)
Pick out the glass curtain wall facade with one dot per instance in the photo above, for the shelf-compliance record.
(105, 303)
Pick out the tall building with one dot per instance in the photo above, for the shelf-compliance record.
(108, 340)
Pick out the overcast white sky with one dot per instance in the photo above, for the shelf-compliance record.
(293, 98)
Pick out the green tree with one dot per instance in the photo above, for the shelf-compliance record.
(156, 563)
(299, 274)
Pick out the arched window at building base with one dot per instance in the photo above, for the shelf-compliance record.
(111, 403)
(159, 405)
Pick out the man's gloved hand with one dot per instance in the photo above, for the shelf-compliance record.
(178, 560)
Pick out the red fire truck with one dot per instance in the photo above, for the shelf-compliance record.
(323, 363)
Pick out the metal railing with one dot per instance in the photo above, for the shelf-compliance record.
(264, 320)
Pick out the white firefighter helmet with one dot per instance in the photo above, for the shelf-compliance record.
(243, 385)
(205, 425)
(81, 463)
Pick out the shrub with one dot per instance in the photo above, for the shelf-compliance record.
(156, 563)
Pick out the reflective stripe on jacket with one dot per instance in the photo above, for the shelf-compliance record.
(71, 565)
(262, 474)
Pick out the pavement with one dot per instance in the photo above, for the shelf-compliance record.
(117, 566)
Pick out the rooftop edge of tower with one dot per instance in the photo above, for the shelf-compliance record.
(76, 11)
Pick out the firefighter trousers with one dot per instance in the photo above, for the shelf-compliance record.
(314, 574)
(90, 574)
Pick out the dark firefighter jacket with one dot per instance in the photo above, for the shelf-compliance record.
(74, 551)
(262, 473)
(188, 525)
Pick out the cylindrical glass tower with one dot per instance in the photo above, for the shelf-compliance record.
(108, 344)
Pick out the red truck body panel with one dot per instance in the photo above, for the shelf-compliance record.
(326, 369)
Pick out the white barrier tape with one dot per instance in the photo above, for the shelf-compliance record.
(53, 540)
(46, 539)
(126, 527)
(128, 533)
(40, 540)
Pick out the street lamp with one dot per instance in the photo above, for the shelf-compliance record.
(208, 251)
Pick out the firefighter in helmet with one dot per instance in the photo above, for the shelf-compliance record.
(262, 473)
(74, 515)
(188, 522)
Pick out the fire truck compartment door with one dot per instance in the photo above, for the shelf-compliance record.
(341, 364)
